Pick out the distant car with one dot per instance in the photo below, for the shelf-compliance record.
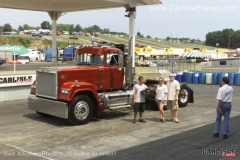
(37, 34)
(110, 43)
(103, 42)
(2, 61)
(73, 37)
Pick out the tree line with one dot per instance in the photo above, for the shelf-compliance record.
(60, 27)
(227, 38)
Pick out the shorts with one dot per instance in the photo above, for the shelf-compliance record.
(159, 101)
(139, 107)
(172, 105)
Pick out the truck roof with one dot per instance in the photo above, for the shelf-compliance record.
(96, 50)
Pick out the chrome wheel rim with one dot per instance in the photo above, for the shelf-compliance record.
(183, 96)
(81, 110)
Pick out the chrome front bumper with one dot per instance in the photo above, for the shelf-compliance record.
(51, 107)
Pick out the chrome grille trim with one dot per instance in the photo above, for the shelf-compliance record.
(47, 84)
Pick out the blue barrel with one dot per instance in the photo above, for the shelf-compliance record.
(231, 78)
(189, 77)
(202, 77)
(184, 77)
(214, 78)
(237, 79)
(220, 76)
(180, 76)
(175, 74)
(195, 77)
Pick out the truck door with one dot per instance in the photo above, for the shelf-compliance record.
(115, 72)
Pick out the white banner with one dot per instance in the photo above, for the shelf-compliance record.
(17, 80)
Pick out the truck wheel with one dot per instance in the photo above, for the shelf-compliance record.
(80, 110)
(183, 96)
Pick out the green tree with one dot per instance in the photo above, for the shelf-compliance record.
(7, 28)
(78, 28)
(71, 28)
(235, 40)
(168, 38)
(26, 27)
(20, 28)
(148, 36)
(45, 25)
(1, 29)
(63, 27)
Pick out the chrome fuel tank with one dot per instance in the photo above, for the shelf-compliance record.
(117, 98)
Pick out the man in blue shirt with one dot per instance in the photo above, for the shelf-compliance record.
(224, 97)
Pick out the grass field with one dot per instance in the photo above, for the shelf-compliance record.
(122, 40)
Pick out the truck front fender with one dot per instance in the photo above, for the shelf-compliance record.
(75, 88)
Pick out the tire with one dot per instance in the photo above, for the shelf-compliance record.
(183, 97)
(43, 114)
(80, 110)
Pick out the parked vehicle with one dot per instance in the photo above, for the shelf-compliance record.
(37, 34)
(69, 53)
(32, 55)
(2, 61)
(96, 83)
(48, 55)
(23, 59)
(73, 37)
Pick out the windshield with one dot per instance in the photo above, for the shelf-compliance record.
(88, 58)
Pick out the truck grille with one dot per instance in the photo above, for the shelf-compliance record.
(47, 84)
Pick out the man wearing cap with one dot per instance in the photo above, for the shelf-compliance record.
(172, 97)
(224, 97)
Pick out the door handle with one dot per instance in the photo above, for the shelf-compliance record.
(101, 70)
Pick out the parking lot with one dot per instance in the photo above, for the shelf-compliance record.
(112, 135)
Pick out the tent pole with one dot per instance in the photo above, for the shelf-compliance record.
(14, 62)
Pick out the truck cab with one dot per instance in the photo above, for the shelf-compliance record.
(77, 92)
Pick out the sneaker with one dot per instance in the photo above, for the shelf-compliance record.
(176, 120)
(163, 120)
(215, 135)
(142, 120)
(134, 120)
(225, 136)
(160, 120)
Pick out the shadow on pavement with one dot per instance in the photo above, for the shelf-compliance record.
(59, 122)
(187, 145)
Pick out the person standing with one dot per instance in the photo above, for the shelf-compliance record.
(172, 97)
(139, 99)
(224, 97)
(161, 95)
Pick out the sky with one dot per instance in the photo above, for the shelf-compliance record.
(174, 18)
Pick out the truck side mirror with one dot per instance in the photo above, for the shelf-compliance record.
(120, 59)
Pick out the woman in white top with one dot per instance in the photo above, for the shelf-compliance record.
(161, 95)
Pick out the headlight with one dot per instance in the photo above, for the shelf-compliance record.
(33, 86)
(65, 91)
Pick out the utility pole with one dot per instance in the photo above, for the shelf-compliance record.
(217, 45)
(229, 42)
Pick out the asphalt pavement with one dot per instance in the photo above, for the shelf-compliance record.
(112, 135)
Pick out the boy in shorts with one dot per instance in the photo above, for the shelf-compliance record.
(139, 99)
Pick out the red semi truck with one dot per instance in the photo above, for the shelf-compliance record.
(102, 79)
